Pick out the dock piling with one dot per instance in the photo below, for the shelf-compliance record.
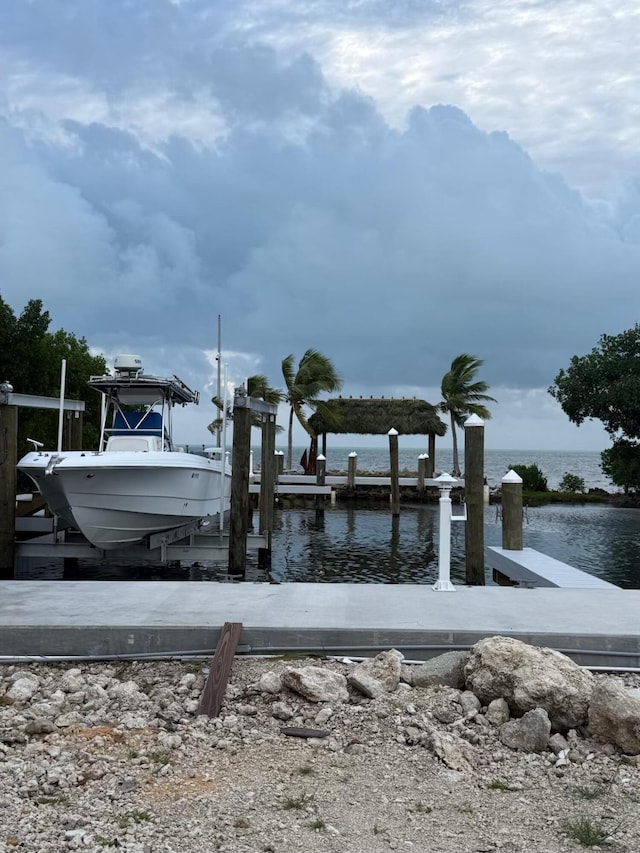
(474, 499)
(8, 481)
(395, 471)
(512, 512)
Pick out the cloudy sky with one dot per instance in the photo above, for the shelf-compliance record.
(391, 183)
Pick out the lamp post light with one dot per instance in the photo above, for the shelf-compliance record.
(445, 484)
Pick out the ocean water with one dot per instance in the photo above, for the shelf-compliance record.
(553, 464)
(365, 545)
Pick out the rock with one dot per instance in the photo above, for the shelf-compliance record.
(529, 677)
(454, 752)
(558, 744)
(39, 726)
(22, 689)
(72, 681)
(378, 675)
(470, 703)
(528, 734)
(614, 716)
(281, 711)
(447, 669)
(445, 705)
(498, 712)
(270, 682)
(317, 684)
(323, 716)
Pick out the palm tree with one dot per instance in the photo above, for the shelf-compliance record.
(257, 386)
(315, 375)
(462, 396)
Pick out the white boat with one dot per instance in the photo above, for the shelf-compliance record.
(137, 483)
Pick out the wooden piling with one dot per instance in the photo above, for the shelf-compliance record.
(474, 497)
(239, 487)
(8, 485)
(267, 486)
(72, 436)
(422, 472)
(512, 512)
(321, 470)
(352, 467)
(395, 471)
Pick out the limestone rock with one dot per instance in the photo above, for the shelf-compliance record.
(270, 682)
(530, 677)
(528, 734)
(614, 716)
(445, 705)
(378, 675)
(23, 689)
(317, 684)
(447, 669)
(454, 752)
(498, 712)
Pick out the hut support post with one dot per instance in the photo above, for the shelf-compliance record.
(512, 512)
(474, 497)
(395, 469)
(8, 485)
(431, 460)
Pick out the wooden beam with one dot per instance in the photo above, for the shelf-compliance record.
(219, 669)
(8, 480)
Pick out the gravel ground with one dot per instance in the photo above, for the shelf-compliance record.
(113, 756)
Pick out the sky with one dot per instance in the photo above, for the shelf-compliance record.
(389, 183)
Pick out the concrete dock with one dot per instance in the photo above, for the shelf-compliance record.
(597, 627)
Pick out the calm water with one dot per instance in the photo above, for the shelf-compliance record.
(553, 464)
(364, 545)
(343, 544)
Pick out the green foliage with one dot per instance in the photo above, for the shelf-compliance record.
(621, 463)
(30, 359)
(299, 802)
(315, 375)
(463, 395)
(533, 480)
(604, 384)
(571, 483)
(587, 832)
(258, 387)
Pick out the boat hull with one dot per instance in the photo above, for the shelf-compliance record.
(116, 499)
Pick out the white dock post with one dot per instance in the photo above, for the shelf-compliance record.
(445, 483)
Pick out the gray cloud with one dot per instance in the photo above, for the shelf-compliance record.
(308, 220)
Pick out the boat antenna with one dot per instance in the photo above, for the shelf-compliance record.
(219, 361)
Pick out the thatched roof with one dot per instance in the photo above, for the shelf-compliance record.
(377, 416)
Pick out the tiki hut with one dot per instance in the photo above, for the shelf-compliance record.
(376, 416)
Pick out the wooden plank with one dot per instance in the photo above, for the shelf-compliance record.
(26, 508)
(219, 669)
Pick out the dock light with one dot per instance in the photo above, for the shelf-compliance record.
(445, 483)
